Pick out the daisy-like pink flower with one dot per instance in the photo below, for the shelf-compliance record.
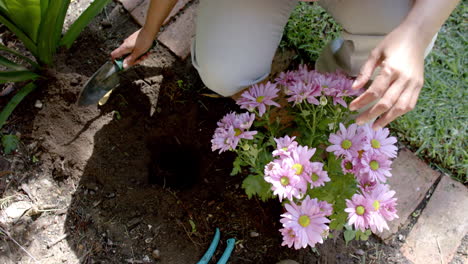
(285, 182)
(284, 146)
(307, 222)
(259, 96)
(383, 201)
(350, 165)
(300, 159)
(301, 91)
(377, 166)
(383, 205)
(346, 142)
(379, 142)
(288, 78)
(325, 208)
(359, 211)
(289, 237)
(318, 176)
(231, 128)
(365, 183)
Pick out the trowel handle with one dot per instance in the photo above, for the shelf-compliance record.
(119, 61)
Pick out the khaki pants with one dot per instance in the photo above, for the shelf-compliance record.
(236, 39)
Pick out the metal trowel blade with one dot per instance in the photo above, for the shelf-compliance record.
(103, 80)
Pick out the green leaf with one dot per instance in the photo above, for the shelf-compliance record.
(256, 185)
(349, 235)
(5, 48)
(82, 21)
(49, 29)
(236, 166)
(6, 112)
(9, 143)
(11, 65)
(25, 14)
(30, 45)
(17, 76)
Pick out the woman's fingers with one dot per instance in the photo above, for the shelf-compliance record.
(367, 69)
(404, 104)
(387, 101)
(375, 91)
(120, 51)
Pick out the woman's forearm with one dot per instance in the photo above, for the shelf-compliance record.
(157, 12)
(428, 16)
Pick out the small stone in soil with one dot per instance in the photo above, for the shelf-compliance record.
(106, 23)
(38, 104)
(401, 237)
(156, 254)
(148, 240)
(254, 234)
(360, 252)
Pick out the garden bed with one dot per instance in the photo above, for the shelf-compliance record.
(135, 181)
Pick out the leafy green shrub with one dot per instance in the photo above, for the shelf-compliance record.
(308, 30)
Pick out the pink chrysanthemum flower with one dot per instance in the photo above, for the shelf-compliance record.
(359, 212)
(231, 128)
(307, 221)
(346, 142)
(350, 165)
(318, 176)
(288, 78)
(325, 208)
(285, 182)
(302, 70)
(379, 142)
(259, 96)
(365, 183)
(377, 166)
(289, 237)
(383, 201)
(301, 160)
(284, 146)
(332, 85)
(383, 205)
(301, 91)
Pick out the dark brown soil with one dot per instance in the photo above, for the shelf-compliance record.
(116, 183)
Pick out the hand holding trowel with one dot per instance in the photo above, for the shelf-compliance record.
(101, 84)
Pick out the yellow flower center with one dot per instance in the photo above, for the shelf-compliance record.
(374, 165)
(284, 180)
(325, 86)
(376, 205)
(375, 143)
(314, 177)
(238, 132)
(298, 167)
(346, 144)
(360, 210)
(260, 99)
(304, 220)
(285, 148)
(348, 165)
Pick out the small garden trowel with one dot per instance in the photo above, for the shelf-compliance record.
(101, 84)
(99, 87)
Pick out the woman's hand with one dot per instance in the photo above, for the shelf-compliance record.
(137, 44)
(400, 57)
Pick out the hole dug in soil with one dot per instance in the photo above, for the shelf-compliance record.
(173, 164)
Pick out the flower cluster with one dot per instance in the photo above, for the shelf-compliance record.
(292, 171)
(367, 154)
(315, 189)
(304, 85)
(231, 128)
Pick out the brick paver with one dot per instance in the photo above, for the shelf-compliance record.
(129, 5)
(441, 226)
(411, 179)
(178, 35)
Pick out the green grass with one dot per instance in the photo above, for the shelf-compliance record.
(436, 130)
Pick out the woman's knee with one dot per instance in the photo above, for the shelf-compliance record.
(220, 80)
